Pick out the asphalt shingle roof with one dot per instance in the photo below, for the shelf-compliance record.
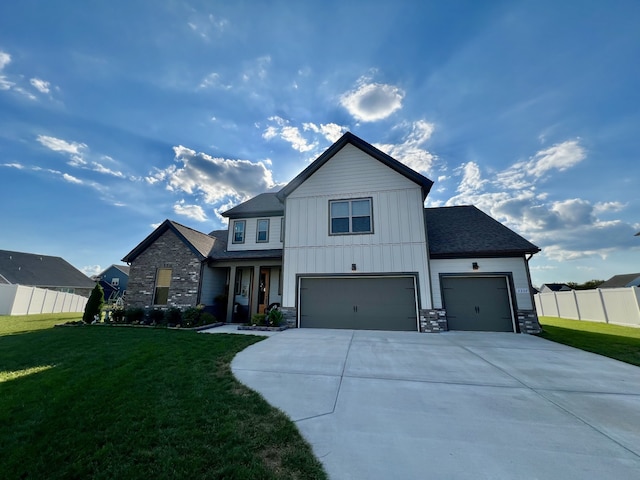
(619, 281)
(41, 271)
(466, 231)
(263, 205)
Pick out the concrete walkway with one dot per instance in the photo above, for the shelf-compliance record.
(457, 405)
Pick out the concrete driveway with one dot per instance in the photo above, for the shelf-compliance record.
(456, 405)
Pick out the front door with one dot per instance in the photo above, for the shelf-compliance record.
(263, 290)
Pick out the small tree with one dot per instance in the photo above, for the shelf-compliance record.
(94, 304)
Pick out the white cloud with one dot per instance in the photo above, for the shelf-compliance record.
(41, 85)
(17, 166)
(213, 81)
(91, 270)
(215, 178)
(369, 101)
(288, 133)
(410, 150)
(330, 131)
(194, 212)
(566, 229)
(107, 171)
(59, 145)
(5, 59)
(72, 179)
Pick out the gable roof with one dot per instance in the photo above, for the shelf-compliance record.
(123, 268)
(466, 231)
(199, 243)
(350, 138)
(263, 205)
(620, 281)
(555, 287)
(41, 271)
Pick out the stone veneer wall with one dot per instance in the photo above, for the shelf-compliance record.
(168, 251)
(433, 321)
(528, 321)
(290, 316)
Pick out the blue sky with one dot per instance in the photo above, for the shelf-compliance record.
(116, 115)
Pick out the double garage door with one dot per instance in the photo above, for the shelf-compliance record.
(362, 303)
(478, 303)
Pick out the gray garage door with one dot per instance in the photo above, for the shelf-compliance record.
(477, 303)
(362, 303)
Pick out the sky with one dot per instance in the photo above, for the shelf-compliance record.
(116, 115)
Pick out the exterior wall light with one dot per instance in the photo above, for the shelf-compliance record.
(475, 266)
(353, 267)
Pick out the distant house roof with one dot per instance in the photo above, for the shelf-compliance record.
(620, 281)
(555, 287)
(466, 231)
(199, 243)
(41, 271)
(263, 205)
(123, 268)
(350, 138)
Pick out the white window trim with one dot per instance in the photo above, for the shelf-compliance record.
(258, 230)
(244, 231)
(350, 200)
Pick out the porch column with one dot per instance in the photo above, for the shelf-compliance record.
(232, 294)
(255, 289)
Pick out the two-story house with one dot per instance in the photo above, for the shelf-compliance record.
(346, 244)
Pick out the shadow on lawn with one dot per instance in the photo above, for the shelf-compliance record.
(625, 349)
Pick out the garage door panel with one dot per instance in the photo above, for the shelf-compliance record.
(477, 303)
(363, 303)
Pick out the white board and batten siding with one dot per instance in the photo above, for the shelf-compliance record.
(250, 236)
(487, 266)
(397, 245)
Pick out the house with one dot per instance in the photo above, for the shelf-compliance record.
(43, 271)
(346, 244)
(113, 281)
(621, 281)
(554, 287)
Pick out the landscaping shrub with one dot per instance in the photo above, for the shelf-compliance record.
(259, 319)
(117, 315)
(275, 317)
(191, 317)
(173, 317)
(156, 317)
(134, 315)
(94, 304)
(207, 319)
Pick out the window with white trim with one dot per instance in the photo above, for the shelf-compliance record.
(262, 233)
(238, 231)
(163, 281)
(350, 216)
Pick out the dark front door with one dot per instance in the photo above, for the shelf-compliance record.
(477, 303)
(362, 303)
(263, 290)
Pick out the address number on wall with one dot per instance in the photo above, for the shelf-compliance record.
(522, 290)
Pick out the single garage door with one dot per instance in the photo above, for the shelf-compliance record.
(477, 303)
(361, 303)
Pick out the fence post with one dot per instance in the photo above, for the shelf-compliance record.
(575, 299)
(604, 305)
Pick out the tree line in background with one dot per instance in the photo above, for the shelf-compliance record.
(588, 285)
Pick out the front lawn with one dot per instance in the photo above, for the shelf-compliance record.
(621, 343)
(107, 402)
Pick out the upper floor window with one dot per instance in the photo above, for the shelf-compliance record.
(238, 231)
(262, 234)
(163, 281)
(350, 216)
(115, 281)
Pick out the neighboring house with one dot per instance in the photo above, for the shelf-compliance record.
(621, 281)
(113, 281)
(357, 250)
(33, 270)
(554, 287)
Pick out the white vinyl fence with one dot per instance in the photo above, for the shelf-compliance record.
(618, 306)
(21, 300)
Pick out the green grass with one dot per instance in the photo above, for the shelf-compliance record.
(106, 402)
(621, 343)
(29, 323)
